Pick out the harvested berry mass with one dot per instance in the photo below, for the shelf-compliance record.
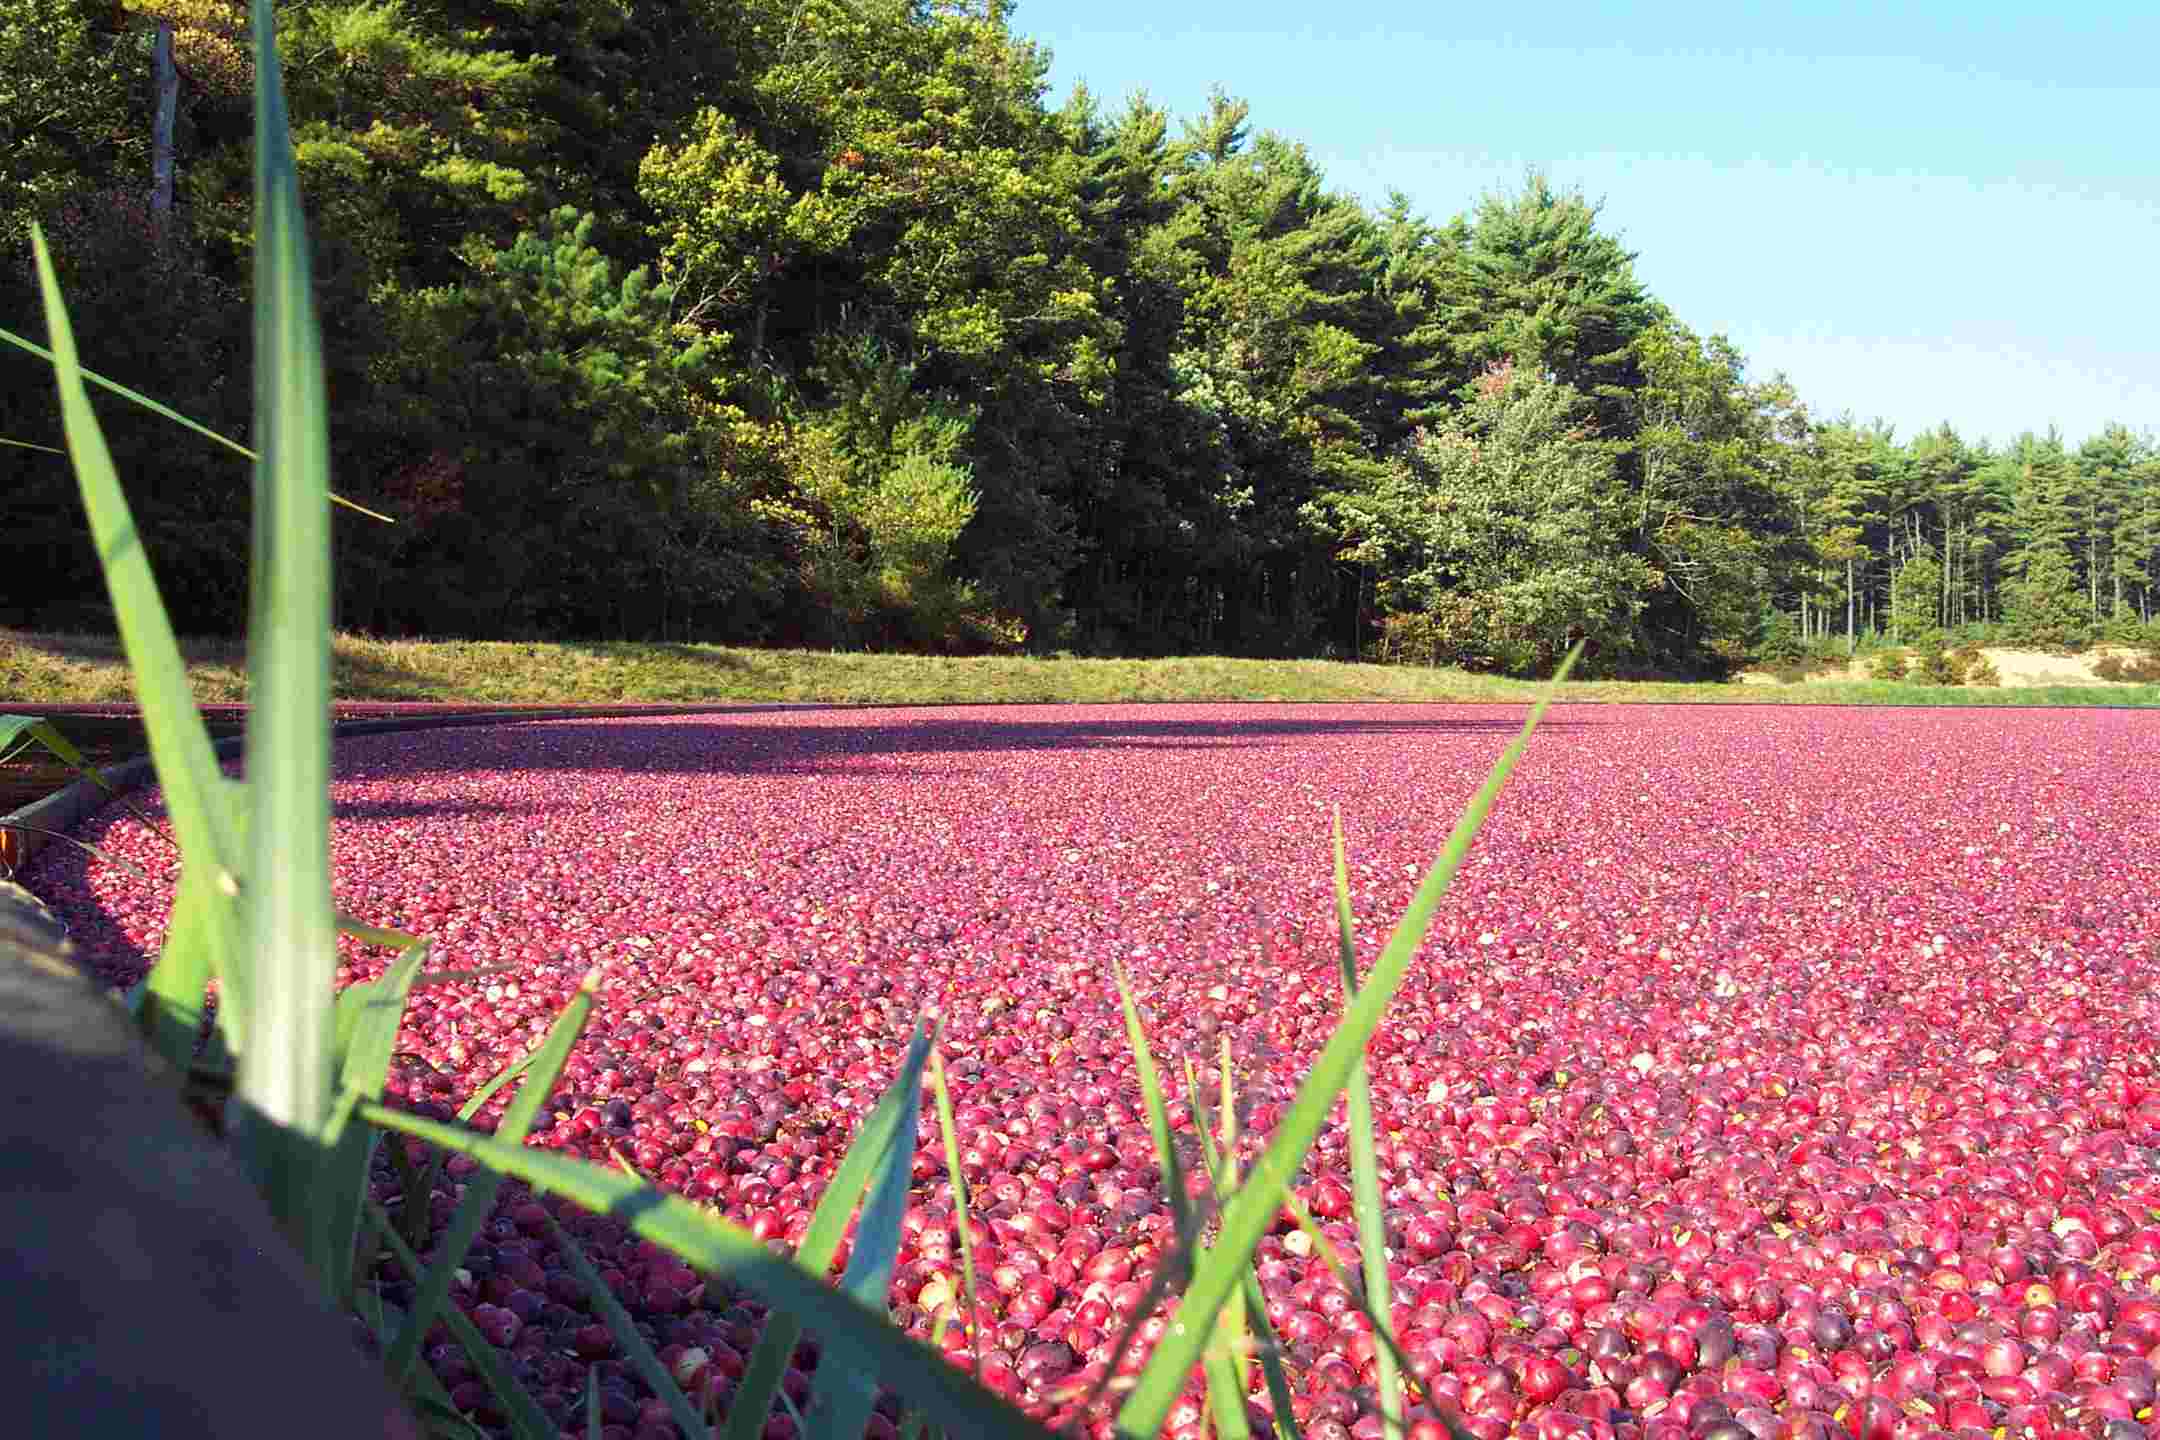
(1768, 1072)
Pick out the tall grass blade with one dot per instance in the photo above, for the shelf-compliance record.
(1173, 1170)
(204, 824)
(366, 1018)
(1222, 1172)
(950, 1129)
(624, 1329)
(482, 1188)
(168, 412)
(282, 1093)
(32, 445)
(527, 1420)
(1247, 1216)
(821, 1241)
(1337, 1266)
(19, 732)
(1365, 1168)
(911, 1369)
(845, 1388)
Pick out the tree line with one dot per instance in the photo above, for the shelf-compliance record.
(818, 322)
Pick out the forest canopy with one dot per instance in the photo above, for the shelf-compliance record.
(822, 322)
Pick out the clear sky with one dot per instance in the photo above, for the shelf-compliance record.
(1924, 212)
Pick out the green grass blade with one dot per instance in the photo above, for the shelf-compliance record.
(624, 1329)
(821, 1241)
(482, 1188)
(845, 1387)
(32, 445)
(187, 766)
(908, 1367)
(366, 1018)
(1221, 1162)
(592, 1406)
(1173, 1170)
(368, 934)
(950, 1129)
(527, 1420)
(95, 852)
(428, 1399)
(1247, 1216)
(1225, 1386)
(25, 730)
(1337, 1266)
(165, 410)
(422, 1183)
(1365, 1168)
(828, 1225)
(282, 1094)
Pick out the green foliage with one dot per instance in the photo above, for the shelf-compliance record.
(1779, 640)
(1914, 597)
(1932, 664)
(65, 95)
(566, 457)
(1506, 526)
(1888, 664)
(1182, 367)
(2046, 605)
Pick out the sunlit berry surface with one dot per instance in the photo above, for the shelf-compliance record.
(1769, 1071)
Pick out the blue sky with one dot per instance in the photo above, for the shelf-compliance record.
(1949, 213)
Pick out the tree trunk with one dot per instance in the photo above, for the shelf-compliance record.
(1850, 597)
(167, 82)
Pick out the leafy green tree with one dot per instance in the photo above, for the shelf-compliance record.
(1508, 525)
(1533, 280)
(2047, 604)
(1712, 460)
(1916, 596)
(580, 457)
(68, 122)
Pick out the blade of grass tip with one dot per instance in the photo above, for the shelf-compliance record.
(592, 1405)
(526, 1419)
(203, 821)
(166, 411)
(1246, 1218)
(368, 934)
(958, 1177)
(283, 1091)
(821, 1241)
(624, 1329)
(485, 1185)
(26, 730)
(1365, 1169)
(1229, 1116)
(844, 1389)
(1173, 1171)
(714, 1246)
(95, 852)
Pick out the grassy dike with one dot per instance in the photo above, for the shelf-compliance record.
(76, 669)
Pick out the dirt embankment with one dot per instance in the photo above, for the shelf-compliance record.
(2016, 667)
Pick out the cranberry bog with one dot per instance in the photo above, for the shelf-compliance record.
(1767, 1072)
